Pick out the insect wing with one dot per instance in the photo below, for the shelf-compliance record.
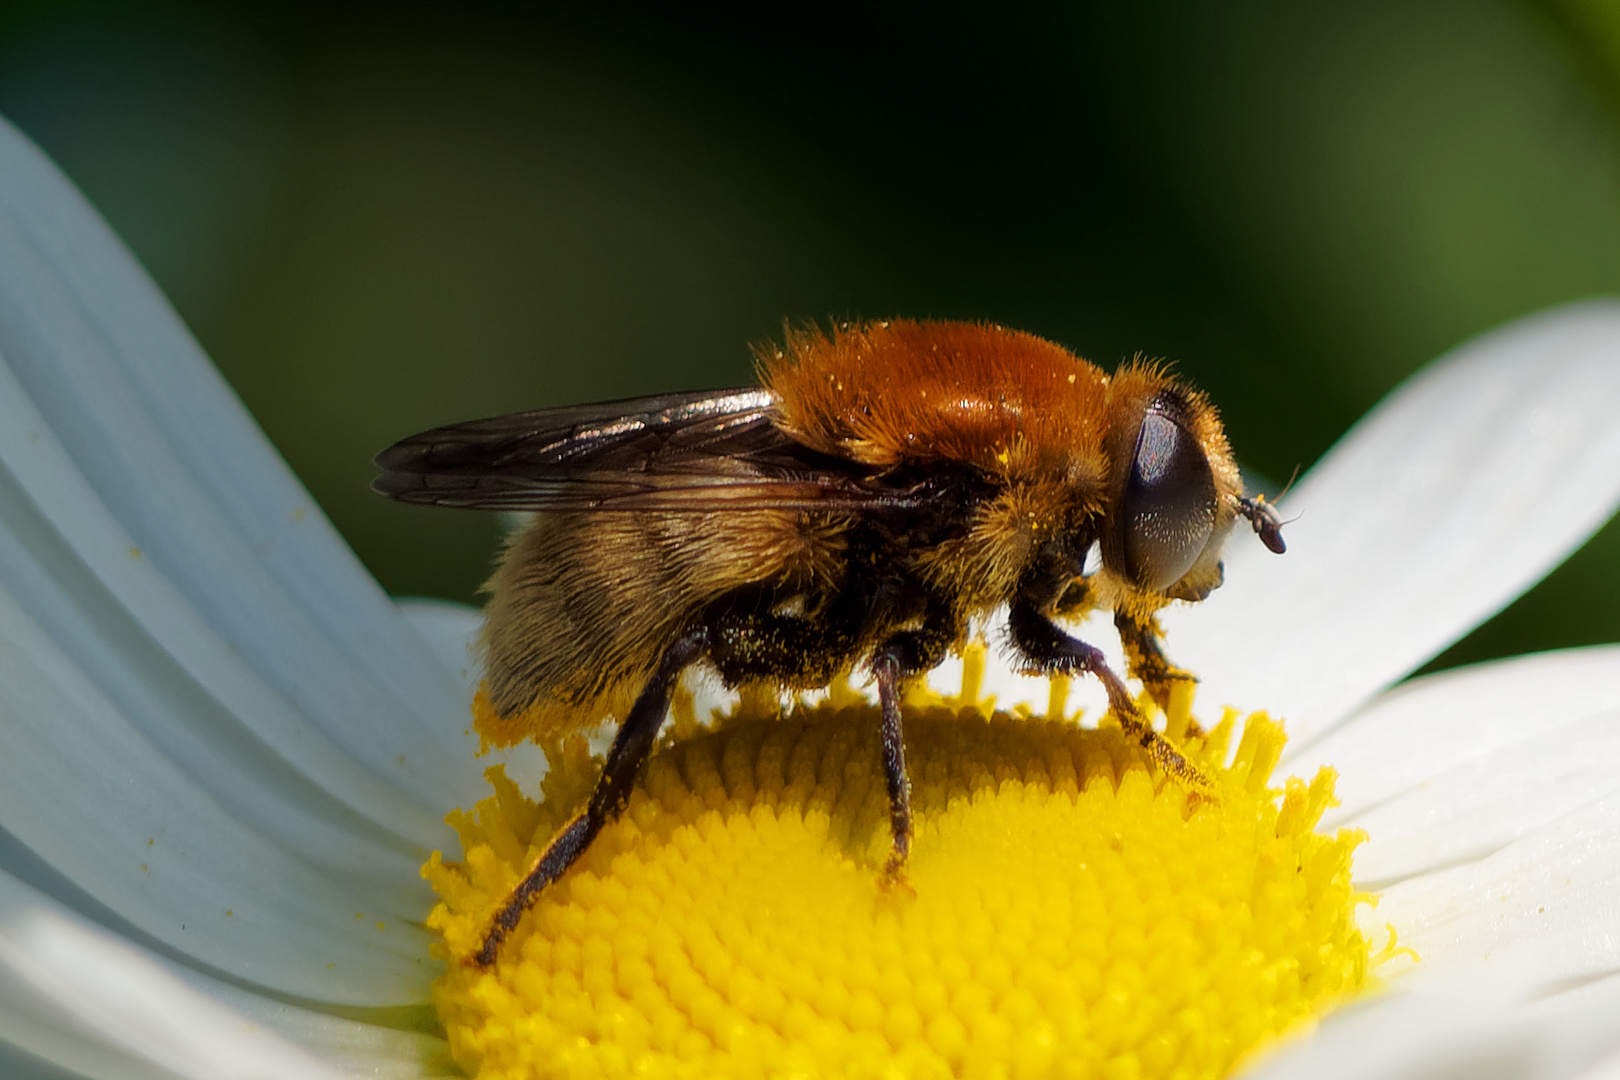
(704, 451)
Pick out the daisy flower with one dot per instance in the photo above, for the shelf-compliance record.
(228, 754)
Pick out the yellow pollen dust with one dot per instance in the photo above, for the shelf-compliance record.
(1065, 911)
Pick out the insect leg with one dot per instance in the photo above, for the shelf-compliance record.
(887, 669)
(1146, 660)
(907, 653)
(1048, 649)
(752, 644)
(625, 758)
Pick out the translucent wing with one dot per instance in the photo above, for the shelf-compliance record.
(698, 452)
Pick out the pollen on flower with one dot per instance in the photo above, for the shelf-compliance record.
(1066, 912)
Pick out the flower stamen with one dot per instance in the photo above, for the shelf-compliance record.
(1069, 912)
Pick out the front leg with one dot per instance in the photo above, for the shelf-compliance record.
(1049, 650)
(1145, 659)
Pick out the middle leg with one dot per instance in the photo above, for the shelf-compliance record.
(796, 650)
(1049, 649)
(905, 655)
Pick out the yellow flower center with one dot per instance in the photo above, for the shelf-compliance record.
(1064, 912)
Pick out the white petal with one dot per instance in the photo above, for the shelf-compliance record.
(1482, 1028)
(94, 800)
(84, 1000)
(1455, 766)
(1550, 899)
(449, 630)
(353, 1047)
(1482, 804)
(1418, 730)
(1490, 797)
(129, 775)
(1607, 1069)
(1586, 1013)
(208, 706)
(1463, 488)
(174, 459)
(77, 995)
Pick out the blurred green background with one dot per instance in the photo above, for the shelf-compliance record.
(382, 217)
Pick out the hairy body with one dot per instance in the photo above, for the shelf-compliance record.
(889, 484)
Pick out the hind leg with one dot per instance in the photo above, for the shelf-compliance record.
(631, 746)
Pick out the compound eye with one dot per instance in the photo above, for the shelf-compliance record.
(1167, 509)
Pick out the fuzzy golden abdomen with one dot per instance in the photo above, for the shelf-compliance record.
(583, 604)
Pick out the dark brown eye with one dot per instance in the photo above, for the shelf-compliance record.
(1167, 508)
